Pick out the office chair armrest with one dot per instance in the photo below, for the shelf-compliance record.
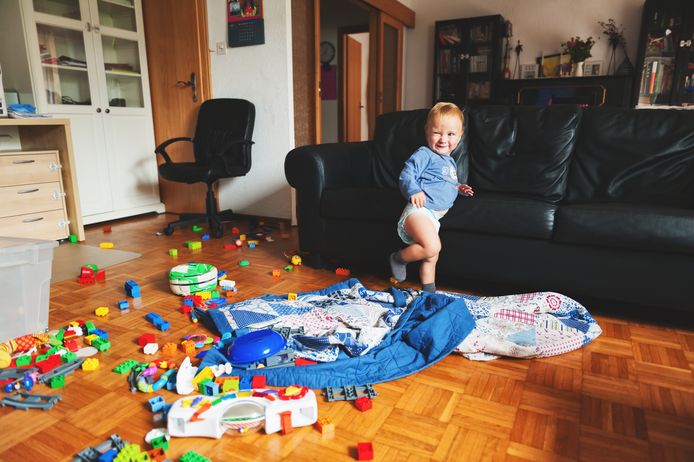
(161, 149)
(229, 144)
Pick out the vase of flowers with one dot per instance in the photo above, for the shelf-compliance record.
(615, 37)
(579, 50)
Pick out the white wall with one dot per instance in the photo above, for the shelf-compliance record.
(261, 74)
(540, 25)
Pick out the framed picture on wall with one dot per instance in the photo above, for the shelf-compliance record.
(592, 68)
(550, 65)
(529, 71)
(245, 23)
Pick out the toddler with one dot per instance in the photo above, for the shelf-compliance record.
(430, 183)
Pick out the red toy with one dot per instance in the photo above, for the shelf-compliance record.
(363, 403)
(342, 272)
(365, 451)
(145, 339)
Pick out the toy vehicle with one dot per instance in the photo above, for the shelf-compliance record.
(243, 412)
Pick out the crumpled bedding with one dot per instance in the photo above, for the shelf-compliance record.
(365, 336)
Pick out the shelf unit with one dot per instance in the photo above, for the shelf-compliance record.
(467, 59)
(665, 61)
(89, 65)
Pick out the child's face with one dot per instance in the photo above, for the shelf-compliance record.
(443, 134)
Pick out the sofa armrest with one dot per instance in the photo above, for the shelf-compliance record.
(327, 166)
(315, 168)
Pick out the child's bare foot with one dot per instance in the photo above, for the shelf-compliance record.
(398, 267)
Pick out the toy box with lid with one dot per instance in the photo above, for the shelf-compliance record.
(25, 284)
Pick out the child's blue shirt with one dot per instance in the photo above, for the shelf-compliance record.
(433, 174)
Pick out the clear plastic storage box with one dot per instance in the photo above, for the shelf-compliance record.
(25, 285)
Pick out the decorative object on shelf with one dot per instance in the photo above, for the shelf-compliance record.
(508, 33)
(529, 71)
(592, 68)
(518, 49)
(577, 69)
(579, 50)
(551, 65)
(615, 37)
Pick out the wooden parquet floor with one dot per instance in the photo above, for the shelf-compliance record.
(628, 396)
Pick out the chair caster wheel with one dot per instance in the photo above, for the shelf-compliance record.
(168, 231)
(218, 232)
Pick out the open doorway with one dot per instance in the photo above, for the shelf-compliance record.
(344, 28)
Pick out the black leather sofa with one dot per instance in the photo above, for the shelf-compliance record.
(593, 202)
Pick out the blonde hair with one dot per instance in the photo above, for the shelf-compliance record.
(443, 109)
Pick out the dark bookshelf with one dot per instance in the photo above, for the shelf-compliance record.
(467, 59)
(665, 59)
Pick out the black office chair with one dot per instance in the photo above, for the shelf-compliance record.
(222, 148)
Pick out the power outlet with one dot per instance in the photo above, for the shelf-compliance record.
(221, 48)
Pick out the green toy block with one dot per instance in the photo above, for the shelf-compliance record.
(23, 360)
(73, 238)
(288, 268)
(125, 366)
(101, 344)
(92, 266)
(89, 325)
(160, 442)
(244, 263)
(215, 294)
(41, 357)
(196, 228)
(192, 456)
(173, 252)
(58, 381)
(67, 357)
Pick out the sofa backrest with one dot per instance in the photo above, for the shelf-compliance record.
(523, 150)
(396, 137)
(634, 155)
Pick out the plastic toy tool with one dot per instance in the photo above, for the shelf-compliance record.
(255, 346)
(243, 412)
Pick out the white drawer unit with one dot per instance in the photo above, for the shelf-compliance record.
(32, 197)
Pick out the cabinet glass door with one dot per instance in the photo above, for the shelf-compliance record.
(64, 8)
(662, 34)
(122, 69)
(686, 84)
(119, 14)
(64, 65)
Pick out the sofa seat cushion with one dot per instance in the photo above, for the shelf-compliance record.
(501, 214)
(662, 229)
(380, 205)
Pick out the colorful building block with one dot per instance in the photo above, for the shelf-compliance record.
(90, 364)
(169, 349)
(106, 245)
(325, 426)
(363, 403)
(123, 305)
(58, 381)
(101, 311)
(125, 366)
(132, 288)
(192, 456)
(291, 296)
(173, 252)
(365, 451)
(342, 272)
(276, 273)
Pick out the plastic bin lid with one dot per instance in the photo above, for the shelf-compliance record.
(20, 243)
(255, 346)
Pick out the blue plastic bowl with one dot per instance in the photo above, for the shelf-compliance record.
(255, 346)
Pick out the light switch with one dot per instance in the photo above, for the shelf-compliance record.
(221, 48)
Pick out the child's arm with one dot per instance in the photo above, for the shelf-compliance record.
(465, 189)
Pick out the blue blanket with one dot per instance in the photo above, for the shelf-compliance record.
(431, 327)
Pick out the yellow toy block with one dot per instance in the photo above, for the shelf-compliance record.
(90, 364)
(242, 237)
(253, 241)
(206, 373)
(90, 338)
(296, 260)
(291, 296)
(205, 295)
(101, 311)
(229, 383)
(106, 245)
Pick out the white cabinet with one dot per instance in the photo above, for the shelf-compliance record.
(88, 65)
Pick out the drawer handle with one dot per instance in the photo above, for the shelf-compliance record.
(63, 223)
(54, 166)
(28, 161)
(28, 191)
(57, 195)
(32, 220)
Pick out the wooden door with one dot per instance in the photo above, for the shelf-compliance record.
(306, 68)
(352, 96)
(386, 37)
(176, 36)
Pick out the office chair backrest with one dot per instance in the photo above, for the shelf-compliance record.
(222, 122)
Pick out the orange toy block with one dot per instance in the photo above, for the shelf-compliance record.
(325, 426)
(188, 347)
(276, 273)
(286, 419)
(169, 349)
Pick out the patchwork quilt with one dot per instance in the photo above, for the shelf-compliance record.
(365, 336)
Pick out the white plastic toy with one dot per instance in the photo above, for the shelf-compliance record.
(242, 412)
